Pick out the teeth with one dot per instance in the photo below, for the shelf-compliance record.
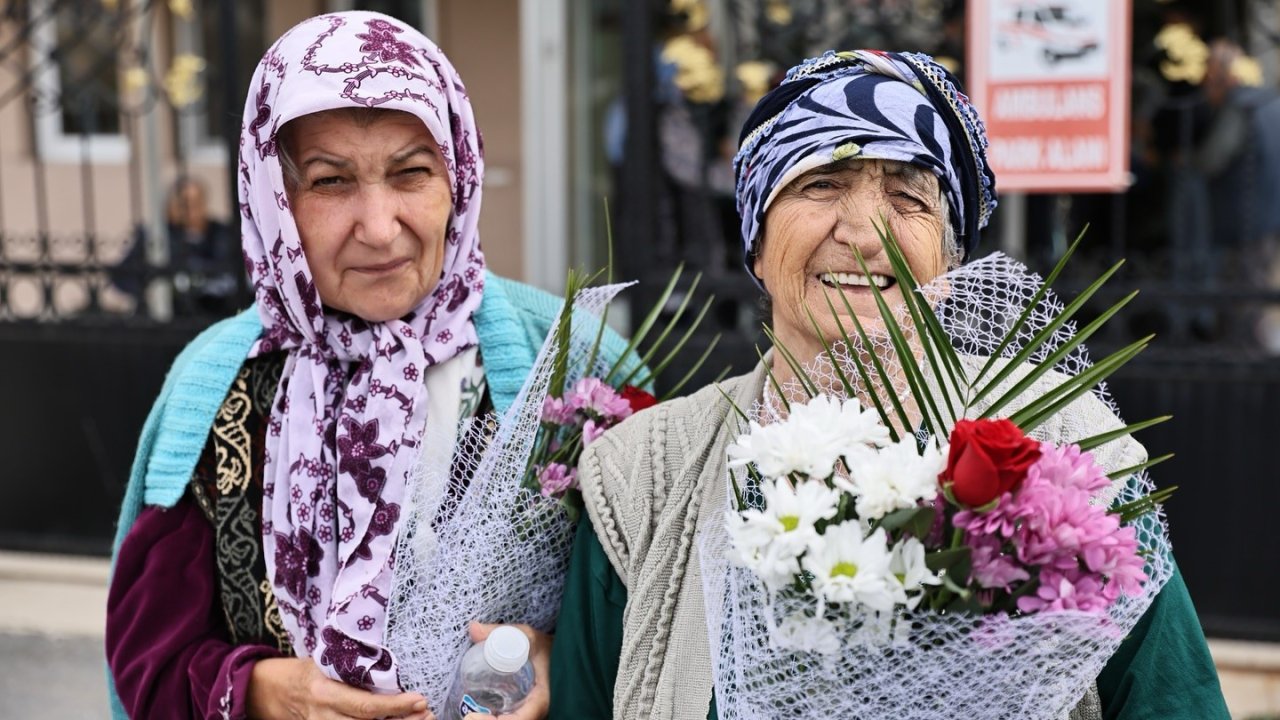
(881, 281)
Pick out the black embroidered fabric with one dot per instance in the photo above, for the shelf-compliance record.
(227, 484)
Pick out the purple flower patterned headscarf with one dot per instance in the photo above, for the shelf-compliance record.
(350, 412)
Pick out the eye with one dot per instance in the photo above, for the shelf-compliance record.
(914, 202)
(821, 183)
(328, 181)
(416, 170)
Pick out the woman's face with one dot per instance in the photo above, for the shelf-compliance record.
(810, 230)
(372, 205)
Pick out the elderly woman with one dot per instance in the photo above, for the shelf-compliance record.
(847, 139)
(255, 550)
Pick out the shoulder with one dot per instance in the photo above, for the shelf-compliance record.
(628, 473)
(515, 318)
(520, 298)
(198, 381)
(225, 342)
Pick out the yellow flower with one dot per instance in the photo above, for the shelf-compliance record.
(182, 81)
(1187, 54)
(779, 13)
(135, 79)
(696, 15)
(1247, 71)
(753, 76)
(698, 75)
(181, 8)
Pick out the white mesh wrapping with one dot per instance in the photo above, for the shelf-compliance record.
(475, 544)
(922, 664)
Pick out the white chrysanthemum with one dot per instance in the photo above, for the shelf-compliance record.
(811, 634)
(906, 562)
(769, 540)
(771, 563)
(894, 478)
(813, 437)
(848, 568)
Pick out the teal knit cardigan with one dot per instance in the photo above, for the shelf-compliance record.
(512, 322)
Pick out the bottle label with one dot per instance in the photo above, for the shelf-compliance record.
(469, 705)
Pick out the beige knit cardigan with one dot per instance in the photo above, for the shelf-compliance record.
(652, 482)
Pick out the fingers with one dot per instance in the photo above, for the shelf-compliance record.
(480, 631)
(364, 705)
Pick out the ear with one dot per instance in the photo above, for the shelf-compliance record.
(757, 263)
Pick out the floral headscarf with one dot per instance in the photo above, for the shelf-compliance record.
(349, 415)
(871, 104)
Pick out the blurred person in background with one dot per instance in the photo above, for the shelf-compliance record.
(203, 256)
(1240, 157)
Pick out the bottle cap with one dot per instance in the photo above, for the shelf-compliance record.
(506, 650)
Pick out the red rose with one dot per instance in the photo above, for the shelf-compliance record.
(988, 458)
(637, 398)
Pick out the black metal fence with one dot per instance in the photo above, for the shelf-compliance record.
(92, 316)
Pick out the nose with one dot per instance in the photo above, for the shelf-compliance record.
(378, 222)
(856, 218)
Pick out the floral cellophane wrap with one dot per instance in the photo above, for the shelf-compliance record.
(478, 544)
(922, 664)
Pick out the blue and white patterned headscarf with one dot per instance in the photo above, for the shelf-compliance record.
(870, 104)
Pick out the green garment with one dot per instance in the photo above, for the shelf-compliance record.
(1162, 670)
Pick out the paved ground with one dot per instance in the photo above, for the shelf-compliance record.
(51, 677)
(51, 661)
(51, 666)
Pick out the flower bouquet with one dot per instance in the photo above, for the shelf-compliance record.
(941, 517)
(487, 531)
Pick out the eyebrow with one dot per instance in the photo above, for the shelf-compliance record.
(343, 164)
(336, 162)
(915, 177)
(406, 154)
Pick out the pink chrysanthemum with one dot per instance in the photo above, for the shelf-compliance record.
(1086, 560)
(556, 478)
(557, 411)
(591, 430)
(1066, 590)
(594, 396)
(991, 568)
(1068, 467)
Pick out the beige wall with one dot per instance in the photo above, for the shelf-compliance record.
(482, 38)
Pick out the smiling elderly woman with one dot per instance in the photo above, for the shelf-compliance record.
(848, 138)
(255, 547)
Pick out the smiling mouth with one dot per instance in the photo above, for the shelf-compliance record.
(856, 280)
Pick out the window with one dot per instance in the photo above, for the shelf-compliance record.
(76, 81)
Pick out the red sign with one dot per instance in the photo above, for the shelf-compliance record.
(1051, 81)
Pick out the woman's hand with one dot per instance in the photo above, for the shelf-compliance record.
(295, 689)
(538, 703)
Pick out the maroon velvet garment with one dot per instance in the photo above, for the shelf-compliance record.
(167, 642)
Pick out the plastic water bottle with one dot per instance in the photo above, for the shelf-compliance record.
(494, 677)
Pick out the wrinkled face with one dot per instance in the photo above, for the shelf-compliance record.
(372, 204)
(813, 223)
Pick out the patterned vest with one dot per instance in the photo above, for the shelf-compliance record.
(227, 485)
